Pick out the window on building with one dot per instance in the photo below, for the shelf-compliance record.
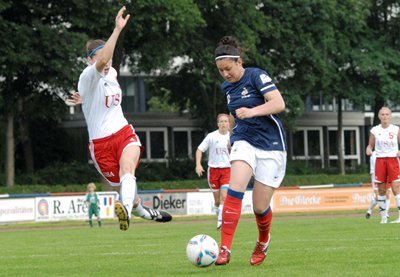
(197, 138)
(313, 142)
(307, 145)
(186, 141)
(181, 142)
(351, 144)
(333, 143)
(298, 144)
(143, 141)
(157, 142)
(129, 87)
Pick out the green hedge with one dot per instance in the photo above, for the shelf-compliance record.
(290, 180)
(17, 189)
(199, 183)
(71, 177)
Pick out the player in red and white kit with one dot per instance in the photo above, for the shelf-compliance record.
(384, 139)
(115, 148)
(219, 166)
(374, 200)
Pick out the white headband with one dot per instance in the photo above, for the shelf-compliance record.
(227, 56)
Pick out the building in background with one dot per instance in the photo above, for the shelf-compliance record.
(168, 135)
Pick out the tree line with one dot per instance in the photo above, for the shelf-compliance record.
(347, 49)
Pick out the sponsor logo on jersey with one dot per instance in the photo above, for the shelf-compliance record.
(265, 78)
(108, 174)
(245, 93)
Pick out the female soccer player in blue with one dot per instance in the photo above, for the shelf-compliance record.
(258, 145)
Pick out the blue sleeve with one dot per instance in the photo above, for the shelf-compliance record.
(263, 83)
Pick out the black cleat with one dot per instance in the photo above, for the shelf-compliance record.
(159, 216)
(367, 215)
(123, 216)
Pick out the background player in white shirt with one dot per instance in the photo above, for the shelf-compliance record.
(219, 165)
(114, 146)
(384, 139)
(374, 200)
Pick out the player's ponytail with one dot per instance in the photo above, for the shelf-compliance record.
(227, 48)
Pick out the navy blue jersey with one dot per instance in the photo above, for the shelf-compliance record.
(263, 132)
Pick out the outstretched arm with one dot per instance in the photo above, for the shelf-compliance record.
(107, 52)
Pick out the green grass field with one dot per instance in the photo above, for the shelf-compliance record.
(342, 244)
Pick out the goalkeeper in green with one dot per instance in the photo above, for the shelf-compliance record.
(92, 201)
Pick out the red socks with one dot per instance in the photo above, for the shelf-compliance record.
(264, 224)
(230, 216)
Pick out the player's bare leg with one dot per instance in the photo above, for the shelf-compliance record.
(374, 202)
(396, 192)
(216, 195)
(123, 207)
(221, 199)
(382, 201)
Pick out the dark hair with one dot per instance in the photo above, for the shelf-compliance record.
(92, 44)
(228, 46)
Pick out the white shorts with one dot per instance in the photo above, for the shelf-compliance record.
(268, 166)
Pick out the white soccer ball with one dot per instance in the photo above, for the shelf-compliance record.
(202, 250)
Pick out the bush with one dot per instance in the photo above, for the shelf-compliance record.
(173, 170)
(17, 189)
(323, 179)
(61, 174)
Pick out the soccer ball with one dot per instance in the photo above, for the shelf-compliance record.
(202, 250)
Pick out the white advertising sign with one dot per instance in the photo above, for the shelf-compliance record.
(201, 203)
(56, 208)
(17, 209)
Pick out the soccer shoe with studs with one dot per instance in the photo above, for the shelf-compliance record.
(259, 252)
(367, 215)
(158, 216)
(396, 221)
(224, 256)
(123, 216)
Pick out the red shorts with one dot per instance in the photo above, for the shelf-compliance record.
(106, 152)
(218, 177)
(388, 186)
(387, 169)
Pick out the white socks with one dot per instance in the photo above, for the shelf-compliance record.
(387, 206)
(128, 191)
(142, 212)
(219, 214)
(397, 197)
(382, 205)
(372, 205)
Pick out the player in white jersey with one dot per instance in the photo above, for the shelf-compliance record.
(115, 148)
(384, 139)
(374, 200)
(219, 166)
